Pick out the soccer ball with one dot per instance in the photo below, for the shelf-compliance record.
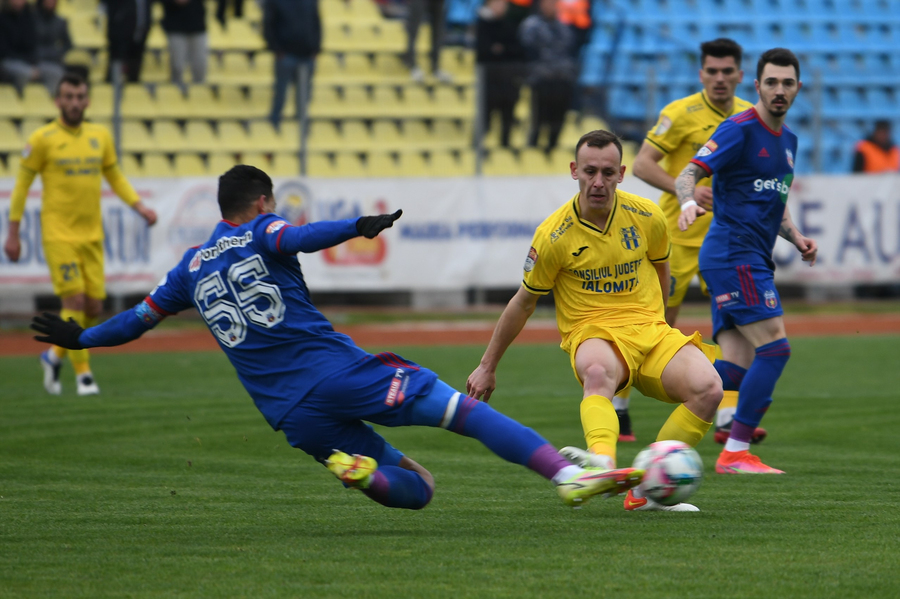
(673, 471)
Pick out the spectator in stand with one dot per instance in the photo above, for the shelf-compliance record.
(548, 47)
(293, 31)
(577, 15)
(18, 47)
(127, 25)
(184, 22)
(53, 42)
(500, 55)
(877, 153)
(414, 17)
(222, 9)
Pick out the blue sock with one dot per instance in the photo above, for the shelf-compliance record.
(759, 382)
(732, 374)
(501, 434)
(393, 486)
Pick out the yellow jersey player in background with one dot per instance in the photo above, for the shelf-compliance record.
(681, 130)
(604, 254)
(71, 156)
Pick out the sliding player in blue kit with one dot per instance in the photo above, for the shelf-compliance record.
(308, 380)
(752, 157)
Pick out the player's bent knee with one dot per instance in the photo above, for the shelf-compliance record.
(596, 376)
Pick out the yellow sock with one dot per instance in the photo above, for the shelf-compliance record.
(729, 400)
(59, 351)
(683, 425)
(600, 424)
(78, 357)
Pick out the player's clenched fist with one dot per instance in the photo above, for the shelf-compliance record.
(370, 226)
(481, 382)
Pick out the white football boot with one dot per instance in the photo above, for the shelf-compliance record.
(87, 385)
(51, 372)
(586, 459)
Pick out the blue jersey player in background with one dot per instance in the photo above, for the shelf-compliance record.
(752, 157)
(308, 380)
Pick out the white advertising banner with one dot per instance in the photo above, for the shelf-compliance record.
(455, 233)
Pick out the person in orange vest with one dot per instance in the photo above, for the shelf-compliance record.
(877, 153)
(577, 15)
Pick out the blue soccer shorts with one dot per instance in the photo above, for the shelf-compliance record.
(334, 415)
(741, 295)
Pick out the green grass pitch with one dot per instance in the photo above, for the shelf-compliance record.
(170, 484)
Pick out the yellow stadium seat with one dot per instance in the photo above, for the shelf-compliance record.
(412, 164)
(534, 161)
(324, 136)
(235, 67)
(10, 103)
(31, 124)
(36, 102)
(349, 165)
(130, 166)
(220, 162)
(264, 65)
(171, 103)
(449, 103)
(444, 163)
(318, 164)
(386, 102)
(561, 158)
(356, 136)
(157, 165)
(137, 102)
(189, 165)
(382, 164)
(156, 39)
(199, 137)
(234, 104)
(10, 138)
(156, 67)
(417, 134)
(239, 35)
(328, 69)
(389, 68)
(232, 137)
(386, 136)
(467, 162)
(501, 162)
(258, 159)
(136, 138)
(336, 37)
(357, 69)
(201, 102)
(168, 136)
(285, 164)
(264, 138)
(324, 100)
(101, 101)
(391, 36)
(86, 30)
(12, 164)
(355, 102)
(448, 134)
(417, 102)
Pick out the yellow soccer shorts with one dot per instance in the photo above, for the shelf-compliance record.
(76, 268)
(683, 265)
(647, 350)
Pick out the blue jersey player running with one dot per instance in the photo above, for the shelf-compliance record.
(308, 380)
(752, 157)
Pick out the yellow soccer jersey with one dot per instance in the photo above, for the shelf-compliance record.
(682, 129)
(600, 276)
(71, 163)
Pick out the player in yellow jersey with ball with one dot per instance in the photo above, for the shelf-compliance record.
(604, 254)
(71, 156)
(681, 130)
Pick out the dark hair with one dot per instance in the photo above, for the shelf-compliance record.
(721, 48)
(882, 125)
(599, 139)
(72, 78)
(239, 187)
(780, 57)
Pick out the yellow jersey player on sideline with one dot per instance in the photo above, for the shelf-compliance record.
(604, 254)
(71, 155)
(682, 129)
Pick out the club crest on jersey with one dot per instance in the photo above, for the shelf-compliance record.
(708, 148)
(631, 239)
(664, 124)
(531, 260)
(275, 226)
(397, 389)
(94, 143)
(790, 158)
(771, 300)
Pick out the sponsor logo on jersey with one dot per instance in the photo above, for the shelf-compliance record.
(631, 239)
(764, 153)
(708, 148)
(790, 158)
(223, 244)
(771, 300)
(664, 124)
(727, 299)
(635, 210)
(560, 230)
(531, 260)
(397, 389)
(275, 226)
(578, 253)
(771, 184)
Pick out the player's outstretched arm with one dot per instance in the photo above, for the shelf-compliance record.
(327, 233)
(808, 247)
(118, 330)
(370, 226)
(483, 380)
(685, 184)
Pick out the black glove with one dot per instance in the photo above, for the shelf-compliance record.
(57, 331)
(370, 226)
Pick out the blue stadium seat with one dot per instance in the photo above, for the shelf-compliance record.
(627, 102)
